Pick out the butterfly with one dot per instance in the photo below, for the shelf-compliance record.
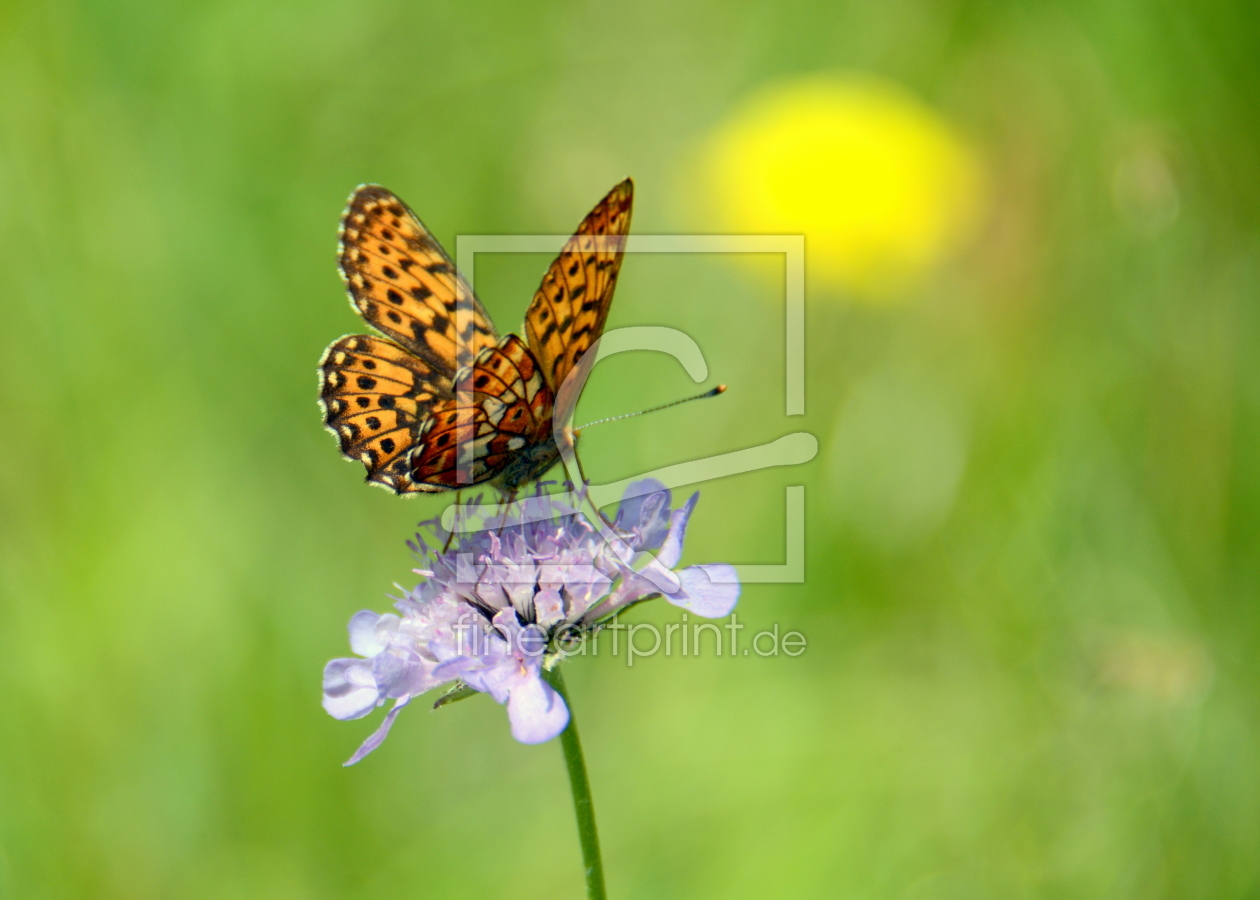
(442, 401)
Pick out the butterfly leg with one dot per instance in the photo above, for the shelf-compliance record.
(507, 508)
(585, 483)
(455, 523)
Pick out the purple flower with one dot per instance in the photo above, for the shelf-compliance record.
(507, 601)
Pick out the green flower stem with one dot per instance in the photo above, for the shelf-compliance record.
(582, 806)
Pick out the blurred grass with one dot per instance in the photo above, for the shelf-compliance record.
(1041, 683)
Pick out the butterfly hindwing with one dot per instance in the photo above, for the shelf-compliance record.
(501, 412)
(374, 393)
(568, 312)
(402, 282)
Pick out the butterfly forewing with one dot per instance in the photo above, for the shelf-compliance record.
(374, 393)
(403, 283)
(568, 312)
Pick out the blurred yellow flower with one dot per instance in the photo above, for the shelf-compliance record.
(876, 181)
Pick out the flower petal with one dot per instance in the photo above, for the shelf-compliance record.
(548, 607)
(350, 691)
(398, 674)
(378, 736)
(536, 711)
(645, 511)
(671, 549)
(586, 586)
(496, 679)
(455, 667)
(363, 638)
(709, 590)
(653, 578)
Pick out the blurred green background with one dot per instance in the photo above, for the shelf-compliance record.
(1032, 560)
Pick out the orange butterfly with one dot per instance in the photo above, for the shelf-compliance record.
(443, 402)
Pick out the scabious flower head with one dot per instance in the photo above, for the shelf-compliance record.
(509, 599)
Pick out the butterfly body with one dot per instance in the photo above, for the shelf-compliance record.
(442, 401)
(528, 465)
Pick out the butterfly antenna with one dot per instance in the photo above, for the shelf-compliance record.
(721, 388)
